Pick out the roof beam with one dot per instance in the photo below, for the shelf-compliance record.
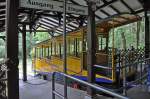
(95, 14)
(69, 23)
(59, 31)
(1, 19)
(98, 17)
(46, 26)
(42, 23)
(55, 28)
(49, 27)
(106, 4)
(74, 2)
(68, 26)
(3, 7)
(116, 10)
(43, 26)
(2, 15)
(48, 23)
(105, 12)
(58, 23)
(101, 10)
(138, 11)
(112, 7)
(126, 5)
(52, 20)
(2, 10)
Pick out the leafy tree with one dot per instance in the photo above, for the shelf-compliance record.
(134, 35)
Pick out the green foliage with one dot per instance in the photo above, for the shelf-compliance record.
(31, 39)
(40, 36)
(130, 32)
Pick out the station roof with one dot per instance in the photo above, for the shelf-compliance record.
(53, 21)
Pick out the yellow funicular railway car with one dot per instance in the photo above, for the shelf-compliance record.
(48, 55)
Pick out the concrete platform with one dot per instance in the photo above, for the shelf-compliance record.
(139, 92)
(40, 89)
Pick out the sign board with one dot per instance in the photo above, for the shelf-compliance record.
(54, 6)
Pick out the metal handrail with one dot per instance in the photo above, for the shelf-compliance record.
(140, 62)
(98, 88)
(125, 66)
(102, 67)
(132, 64)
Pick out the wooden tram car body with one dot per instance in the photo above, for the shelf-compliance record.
(48, 55)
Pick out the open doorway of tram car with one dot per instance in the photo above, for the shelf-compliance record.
(109, 59)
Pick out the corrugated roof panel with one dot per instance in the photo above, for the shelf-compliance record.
(70, 27)
(134, 4)
(45, 27)
(99, 3)
(121, 7)
(50, 22)
(52, 19)
(60, 29)
(57, 32)
(48, 25)
(100, 14)
(109, 10)
(76, 25)
(81, 2)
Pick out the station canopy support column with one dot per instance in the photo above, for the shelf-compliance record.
(65, 47)
(146, 5)
(12, 49)
(91, 44)
(24, 58)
